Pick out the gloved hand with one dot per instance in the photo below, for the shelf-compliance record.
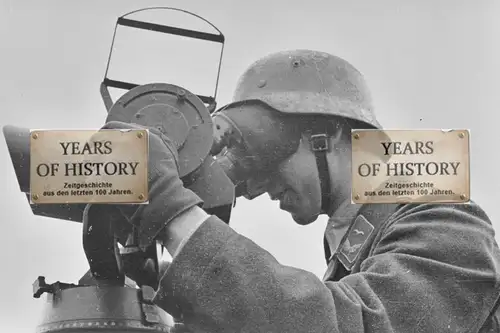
(168, 197)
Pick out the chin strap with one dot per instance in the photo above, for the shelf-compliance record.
(320, 146)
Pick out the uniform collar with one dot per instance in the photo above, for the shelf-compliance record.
(339, 223)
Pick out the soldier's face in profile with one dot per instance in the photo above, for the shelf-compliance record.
(296, 185)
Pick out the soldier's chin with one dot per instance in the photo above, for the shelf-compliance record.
(302, 220)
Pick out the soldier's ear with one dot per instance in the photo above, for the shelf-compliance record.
(339, 136)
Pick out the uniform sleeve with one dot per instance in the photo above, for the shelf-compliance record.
(434, 269)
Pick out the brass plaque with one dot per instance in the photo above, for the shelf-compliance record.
(89, 166)
(410, 166)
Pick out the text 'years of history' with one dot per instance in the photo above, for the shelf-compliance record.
(89, 166)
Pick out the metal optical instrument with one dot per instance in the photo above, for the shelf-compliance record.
(104, 300)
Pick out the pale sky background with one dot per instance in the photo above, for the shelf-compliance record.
(430, 64)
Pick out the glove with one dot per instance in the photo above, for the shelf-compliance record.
(168, 198)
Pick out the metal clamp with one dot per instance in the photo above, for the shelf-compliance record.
(40, 287)
(149, 310)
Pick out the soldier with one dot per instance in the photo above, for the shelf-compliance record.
(391, 268)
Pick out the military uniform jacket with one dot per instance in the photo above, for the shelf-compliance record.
(391, 268)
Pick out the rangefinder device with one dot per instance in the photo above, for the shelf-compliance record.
(117, 292)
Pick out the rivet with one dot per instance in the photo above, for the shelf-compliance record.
(461, 135)
(34, 197)
(140, 135)
(262, 83)
(141, 196)
(181, 95)
(356, 136)
(296, 63)
(356, 197)
(463, 196)
(35, 136)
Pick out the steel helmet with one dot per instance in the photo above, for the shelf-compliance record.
(302, 82)
(307, 82)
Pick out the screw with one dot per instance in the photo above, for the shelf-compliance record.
(35, 136)
(140, 135)
(356, 197)
(181, 94)
(461, 135)
(34, 197)
(356, 136)
(141, 196)
(463, 196)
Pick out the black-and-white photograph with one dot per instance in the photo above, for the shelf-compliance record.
(250, 166)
